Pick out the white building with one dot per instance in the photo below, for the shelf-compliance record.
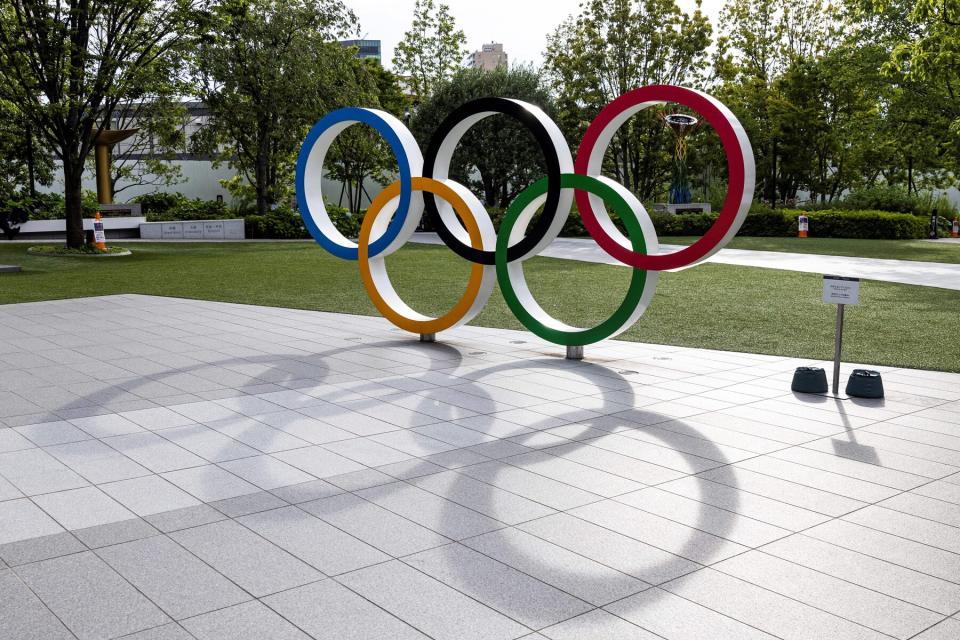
(491, 56)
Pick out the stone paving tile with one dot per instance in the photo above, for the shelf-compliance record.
(312, 540)
(82, 508)
(171, 577)
(779, 615)
(499, 586)
(40, 548)
(615, 550)
(724, 523)
(597, 624)
(90, 598)
(209, 483)
(170, 631)
(669, 535)
(676, 618)
(45, 434)
(201, 424)
(34, 471)
(105, 535)
(247, 621)
(431, 511)
(375, 525)
(153, 452)
(328, 611)
(789, 485)
(481, 497)
(884, 577)
(247, 559)
(266, 472)
(207, 443)
(844, 599)
(97, 462)
(23, 616)
(22, 520)
(908, 526)
(575, 574)
(149, 495)
(947, 630)
(924, 507)
(430, 606)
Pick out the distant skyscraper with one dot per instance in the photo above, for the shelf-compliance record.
(367, 48)
(489, 57)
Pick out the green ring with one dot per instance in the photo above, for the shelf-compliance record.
(637, 282)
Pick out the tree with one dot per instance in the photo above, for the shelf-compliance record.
(432, 50)
(921, 38)
(760, 41)
(66, 64)
(614, 46)
(497, 157)
(359, 153)
(267, 70)
(25, 161)
(156, 108)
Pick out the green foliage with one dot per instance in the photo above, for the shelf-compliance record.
(614, 46)
(359, 153)
(67, 64)
(282, 223)
(267, 70)
(196, 209)
(497, 158)
(895, 199)
(432, 50)
(159, 201)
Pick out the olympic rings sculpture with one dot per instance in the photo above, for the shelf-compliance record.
(424, 188)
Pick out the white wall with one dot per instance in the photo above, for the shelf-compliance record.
(201, 180)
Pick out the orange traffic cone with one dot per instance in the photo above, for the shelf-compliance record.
(99, 237)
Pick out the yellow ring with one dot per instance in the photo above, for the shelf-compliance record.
(464, 305)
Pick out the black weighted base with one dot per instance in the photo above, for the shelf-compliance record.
(809, 380)
(864, 383)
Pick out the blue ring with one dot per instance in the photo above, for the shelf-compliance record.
(368, 117)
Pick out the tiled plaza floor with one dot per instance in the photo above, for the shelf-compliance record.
(175, 469)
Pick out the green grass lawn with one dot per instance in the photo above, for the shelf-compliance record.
(921, 250)
(712, 306)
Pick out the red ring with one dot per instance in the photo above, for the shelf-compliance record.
(736, 170)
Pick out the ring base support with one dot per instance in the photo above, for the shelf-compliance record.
(428, 337)
(575, 352)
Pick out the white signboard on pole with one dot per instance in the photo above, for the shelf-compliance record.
(840, 290)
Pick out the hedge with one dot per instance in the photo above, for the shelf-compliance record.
(285, 223)
(784, 222)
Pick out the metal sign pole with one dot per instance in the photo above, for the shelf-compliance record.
(837, 345)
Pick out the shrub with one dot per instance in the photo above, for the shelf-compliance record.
(282, 223)
(864, 224)
(766, 222)
(159, 202)
(196, 209)
(888, 198)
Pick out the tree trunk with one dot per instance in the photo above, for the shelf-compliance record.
(262, 173)
(73, 194)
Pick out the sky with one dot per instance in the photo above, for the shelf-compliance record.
(521, 26)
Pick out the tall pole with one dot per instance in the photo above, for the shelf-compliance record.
(837, 346)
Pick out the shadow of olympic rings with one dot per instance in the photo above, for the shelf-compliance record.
(447, 359)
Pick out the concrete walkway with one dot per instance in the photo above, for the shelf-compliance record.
(178, 469)
(924, 274)
(9, 268)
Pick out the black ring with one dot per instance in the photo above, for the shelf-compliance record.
(534, 235)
